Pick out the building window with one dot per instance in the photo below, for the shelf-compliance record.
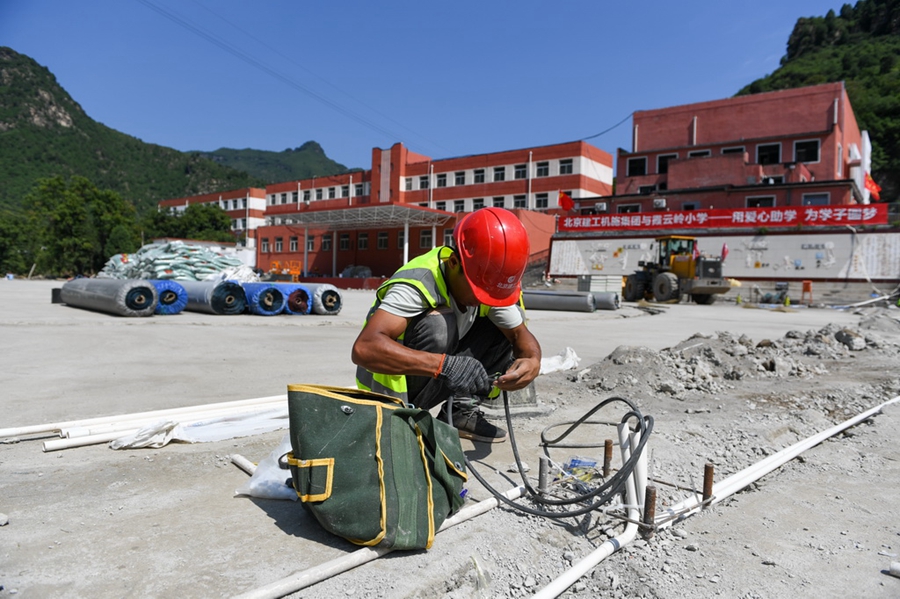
(520, 171)
(635, 167)
(409, 184)
(306, 196)
(311, 243)
(518, 202)
(284, 198)
(345, 191)
(479, 175)
(543, 169)
(243, 224)
(816, 199)
(440, 205)
(690, 206)
(362, 241)
(500, 202)
(294, 196)
(540, 201)
(401, 239)
(448, 237)
(662, 162)
(806, 151)
(331, 193)
(293, 244)
(319, 194)
(760, 201)
(423, 182)
(425, 238)
(358, 190)
(326, 243)
(733, 150)
(459, 206)
(566, 167)
(768, 154)
(278, 245)
(460, 178)
(477, 203)
(344, 242)
(646, 189)
(499, 173)
(441, 180)
(382, 242)
(264, 245)
(699, 154)
(628, 208)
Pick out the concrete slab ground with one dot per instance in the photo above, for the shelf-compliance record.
(94, 522)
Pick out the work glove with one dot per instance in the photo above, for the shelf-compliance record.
(465, 376)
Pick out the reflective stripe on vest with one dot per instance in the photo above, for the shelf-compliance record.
(424, 274)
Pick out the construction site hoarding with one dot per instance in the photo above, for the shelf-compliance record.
(846, 254)
(789, 216)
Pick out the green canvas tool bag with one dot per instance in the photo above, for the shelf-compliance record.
(371, 469)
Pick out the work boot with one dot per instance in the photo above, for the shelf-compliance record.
(470, 422)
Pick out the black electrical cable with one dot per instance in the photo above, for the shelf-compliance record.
(601, 495)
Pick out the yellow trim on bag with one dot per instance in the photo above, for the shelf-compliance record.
(318, 462)
(379, 420)
(453, 467)
(350, 395)
(430, 490)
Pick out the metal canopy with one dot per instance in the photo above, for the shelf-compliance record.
(368, 217)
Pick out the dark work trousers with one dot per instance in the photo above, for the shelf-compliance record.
(436, 332)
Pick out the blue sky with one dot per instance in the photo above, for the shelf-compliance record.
(445, 78)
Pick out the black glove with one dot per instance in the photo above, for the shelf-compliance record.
(465, 376)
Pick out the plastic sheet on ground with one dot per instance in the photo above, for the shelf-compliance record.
(173, 260)
(216, 428)
(269, 480)
(567, 359)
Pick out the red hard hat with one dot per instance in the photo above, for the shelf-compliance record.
(493, 247)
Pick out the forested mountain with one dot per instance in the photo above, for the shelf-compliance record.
(860, 45)
(44, 133)
(307, 161)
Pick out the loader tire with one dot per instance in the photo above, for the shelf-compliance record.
(704, 298)
(634, 289)
(665, 287)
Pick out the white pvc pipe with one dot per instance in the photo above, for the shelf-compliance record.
(57, 426)
(57, 444)
(558, 586)
(311, 576)
(200, 414)
(734, 483)
(243, 463)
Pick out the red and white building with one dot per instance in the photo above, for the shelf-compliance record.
(406, 204)
(245, 207)
(796, 147)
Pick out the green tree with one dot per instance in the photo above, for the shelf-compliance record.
(14, 250)
(77, 224)
(202, 222)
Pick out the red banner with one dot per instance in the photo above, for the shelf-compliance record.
(806, 216)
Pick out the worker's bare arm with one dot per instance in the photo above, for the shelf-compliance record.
(527, 364)
(376, 348)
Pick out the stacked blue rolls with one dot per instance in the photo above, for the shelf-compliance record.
(264, 299)
(172, 296)
(298, 299)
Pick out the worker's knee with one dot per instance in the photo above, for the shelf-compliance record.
(433, 331)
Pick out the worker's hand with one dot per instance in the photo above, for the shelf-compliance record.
(465, 376)
(519, 375)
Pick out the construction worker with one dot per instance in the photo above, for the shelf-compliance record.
(449, 326)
